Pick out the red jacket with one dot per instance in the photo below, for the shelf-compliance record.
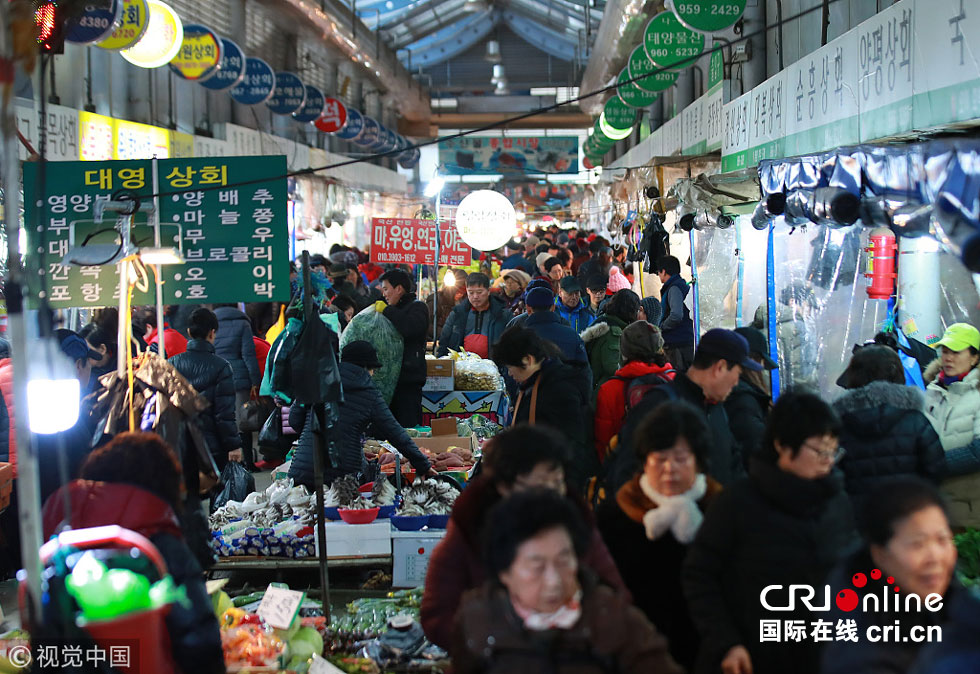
(456, 564)
(7, 388)
(610, 406)
(95, 504)
(174, 342)
(262, 349)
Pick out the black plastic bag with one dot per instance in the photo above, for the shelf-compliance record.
(273, 442)
(237, 483)
(255, 413)
(315, 374)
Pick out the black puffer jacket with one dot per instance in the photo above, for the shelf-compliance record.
(211, 376)
(363, 406)
(411, 318)
(747, 408)
(771, 528)
(233, 342)
(886, 434)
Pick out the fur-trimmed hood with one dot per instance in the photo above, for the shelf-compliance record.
(931, 373)
(879, 393)
(595, 331)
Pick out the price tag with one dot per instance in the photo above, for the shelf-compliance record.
(280, 606)
(321, 666)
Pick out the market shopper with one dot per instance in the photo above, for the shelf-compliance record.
(519, 458)
(411, 319)
(909, 541)
(603, 336)
(545, 321)
(134, 482)
(884, 426)
(675, 322)
(641, 349)
(650, 311)
(513, 282)
(212, 377)
(477, 321)
(789, 522)
(173, 342)
(515, 258)
(749, 403)
(101, 340)
(953, 406)
(595, 287)
(540, 612)
(655, 516)
(600, 263)
(234, 343)
(363, 408)
(571, 306)
(447, 296)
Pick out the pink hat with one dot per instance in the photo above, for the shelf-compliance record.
(617, 281)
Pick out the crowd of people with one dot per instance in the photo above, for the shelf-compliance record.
(649, 490)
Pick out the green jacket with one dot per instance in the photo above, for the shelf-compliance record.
(602, 344)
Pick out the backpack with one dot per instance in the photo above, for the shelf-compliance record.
(638, 387)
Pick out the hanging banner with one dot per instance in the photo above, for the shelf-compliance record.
(709, 16)
(370, 134)
(354, 125)
(288, 96)
(257, 85)
(231, 69)
(200, 53)
(403, 241)
(669, 44)
(632, 95)
(652, 78)
(94, 23)
(132, 26)
(235, 241)
(313, 108)
(545, 154)
(161, 41)
(334, 117)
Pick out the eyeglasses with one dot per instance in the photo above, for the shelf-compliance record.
(832, 455)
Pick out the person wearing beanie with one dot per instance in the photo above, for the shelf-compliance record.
(539, 261)
(521, 319)
(514, 258)
(617, 281)
(543, 320)
(750, 401)
(602, 337)
(571, 306)
(601, 262)
(641, 349)
(650, 310)
(510, 288)
(363, 406)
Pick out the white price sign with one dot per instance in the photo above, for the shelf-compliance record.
(280, 606)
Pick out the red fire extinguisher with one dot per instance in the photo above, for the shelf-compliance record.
(881, 273)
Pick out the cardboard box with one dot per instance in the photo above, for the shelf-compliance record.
(442, 443)
(439, 375)
(443, 426)
(357, 540)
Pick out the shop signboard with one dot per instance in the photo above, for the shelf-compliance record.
(95, 22)
(243, 141)
(258, 84)
(95, 136)
(61, 131)
(735, 139)
(669, 44)
(139, 141)
(694, 128)
(132, 25)
(313, 107)
(475, 154)
(618, 115)
(673, 130)
(632, 95)
(334, 117)
(210, 147)
(709, 16)
(200, 53)
(404, 241)
(946, 40)
(352, 127)
(231, 69)
(885, 45)
(160, 41)
(369, 136)
(656, 79)
(289, 94)
(234, 239)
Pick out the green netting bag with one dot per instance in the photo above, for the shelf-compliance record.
(373, 327)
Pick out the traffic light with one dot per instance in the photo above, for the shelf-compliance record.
(49, 19)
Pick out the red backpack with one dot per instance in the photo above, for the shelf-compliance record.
(638, 387)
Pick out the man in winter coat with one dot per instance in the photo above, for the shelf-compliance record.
(601, 263)
(411, 319)
(516, 260)
(477, 321)
(675, 322)
(571, 306)
(544, 320)
(212, 377)
(749, 403)
(363, 407)
(234, 343)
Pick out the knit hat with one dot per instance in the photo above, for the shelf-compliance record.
(539, 298)
(651, 307)
(617, 281)
(541, 259)
(640, 341)
(360, 353)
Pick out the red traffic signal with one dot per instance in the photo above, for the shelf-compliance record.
(50, 27)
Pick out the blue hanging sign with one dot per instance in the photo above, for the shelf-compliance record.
(372, 130)
(407, 162)
(353, 127)
(289, 95)
(313, 108)
(231, 70)
(257, 85)
(379, 145)
(94, 23)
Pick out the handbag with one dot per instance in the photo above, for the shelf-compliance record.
(255, 412)
(273, 442)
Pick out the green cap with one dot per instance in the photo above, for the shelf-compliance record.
(959, 336)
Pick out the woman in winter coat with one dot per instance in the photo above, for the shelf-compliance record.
(749, 403)
(135, 482)
(363, 406)
(910, 544)
(519, 458)
(655, 516)
(884, 427)
(540, 611)
(550, 393)
(602, 337)
(789, 522)
(953, 406)
(641, 348)
(513, 282)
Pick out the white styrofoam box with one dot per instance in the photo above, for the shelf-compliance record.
(410, 555)
(357, 540)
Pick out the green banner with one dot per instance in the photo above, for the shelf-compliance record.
(234, 235)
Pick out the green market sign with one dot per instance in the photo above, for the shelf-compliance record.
(669, 44)
(234, 235)
(618, 115)
(709, 16)
(655, 80)
(632, 95)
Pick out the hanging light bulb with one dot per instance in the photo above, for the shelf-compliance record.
(449, 280)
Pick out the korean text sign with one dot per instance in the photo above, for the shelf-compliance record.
(402, 241)
(235, 240)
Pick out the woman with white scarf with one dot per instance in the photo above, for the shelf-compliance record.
(656, 515)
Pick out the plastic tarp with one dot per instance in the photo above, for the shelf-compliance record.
(714, 252)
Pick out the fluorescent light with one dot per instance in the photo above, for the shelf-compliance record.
(435, 186)
(155, 256)
(52, 405)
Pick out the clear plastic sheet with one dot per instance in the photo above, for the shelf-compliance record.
(717, 264)
(751, 286)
